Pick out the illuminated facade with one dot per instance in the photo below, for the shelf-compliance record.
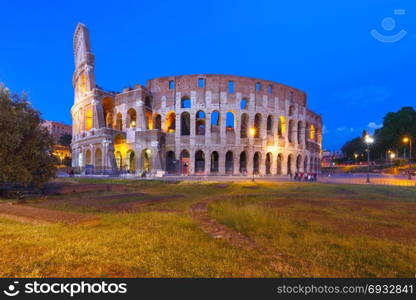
(191, 124)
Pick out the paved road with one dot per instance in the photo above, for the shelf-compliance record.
(379, 179)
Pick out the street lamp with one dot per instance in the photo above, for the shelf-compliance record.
(409, 140)
(252, 133)
(355, 156)
(368, 140)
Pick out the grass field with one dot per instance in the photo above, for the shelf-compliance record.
(293, 229)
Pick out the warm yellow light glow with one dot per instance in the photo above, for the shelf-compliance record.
(282, 124)
(355, 155)
(392, 155)
(133, 124)
(88, 118)
(312, 132)
(406, 140)
(252, 131)
(368, 139)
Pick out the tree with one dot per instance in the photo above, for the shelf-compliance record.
(352, 147)
(65, 139)
(25, 146)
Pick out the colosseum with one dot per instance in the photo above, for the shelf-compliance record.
(190, 125)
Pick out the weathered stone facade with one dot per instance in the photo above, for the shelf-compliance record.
(191, 124)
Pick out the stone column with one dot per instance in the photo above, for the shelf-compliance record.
(191, 161)
(221, 162)
(207, 162)
(208, 128)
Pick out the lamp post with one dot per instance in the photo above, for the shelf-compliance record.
(368, 140)
(252, 132)
(409, 140)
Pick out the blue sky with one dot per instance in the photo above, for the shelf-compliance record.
(322, 47)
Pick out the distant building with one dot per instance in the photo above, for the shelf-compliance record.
(329, 157)
(57, 129)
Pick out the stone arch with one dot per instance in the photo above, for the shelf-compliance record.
(244, 103)
(171, 122)
(185, 124)
(291, 110)
(157, 121)
(305, 164)
(119, 160)
(200, 123)
(256, 162)
(244, 126)
(171, 162)
(279, 164)
(214, 162)
(229, 162)
(289, 164)
(257, 125)
(146, 160)
(119, 122)
(269, 126)
(243, 162)
(268, 163)
(131, 162)
(291, 133)
(88, 157)
(281, 129)
(230, 121)
(185, 161)
(215, 121)
(98, 157)
(186, 102)
(300, 132)
(131, 118)
(298, 163)
(108, 108)
(199, 162)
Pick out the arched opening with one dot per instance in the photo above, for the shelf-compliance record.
(200, 123)
(185, 160)
(291, 131)
(98, 159)
(146, 160)
(256, 163)
(131, 118)
(108, 107)
(148, 102)
(289, 164)
(158, 122)
(186, 102)
(214, 162)
(244, 126)
(170, 162)
(171, 122)
(298, 163)
(88, 118)
(199, 162)
(269, 125)
(279, 164)
(281, 129)
(230, 121)
(229, 162)
(268, 163)
(131, 162)
(185, 124)
(244, 104)
(305, 164)
(291, 110)
(119, 161)
(243, 162)
(215, 121)
(119, 122)
(257, 125)
(149, 120)
(300, 132)
(88, 157)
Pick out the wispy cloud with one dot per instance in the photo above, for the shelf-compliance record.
(374, 125)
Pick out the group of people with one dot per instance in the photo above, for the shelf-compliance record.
(300, 176)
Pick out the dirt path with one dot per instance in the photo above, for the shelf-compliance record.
(35, 215)
(199, 212)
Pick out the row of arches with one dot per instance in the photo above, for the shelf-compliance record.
(182, 165)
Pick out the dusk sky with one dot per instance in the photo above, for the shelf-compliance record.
(322, 47)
